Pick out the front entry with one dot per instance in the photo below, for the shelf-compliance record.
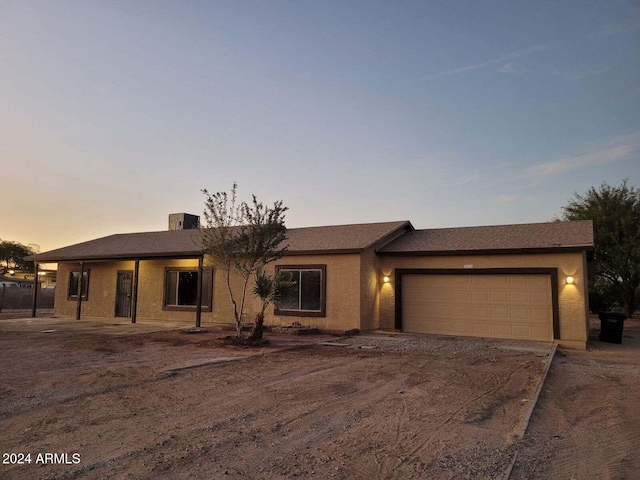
(123, 293)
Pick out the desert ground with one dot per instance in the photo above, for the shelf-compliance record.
(120, 401)
(586, 423)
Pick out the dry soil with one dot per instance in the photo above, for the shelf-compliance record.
(173, 405)
(586, 424)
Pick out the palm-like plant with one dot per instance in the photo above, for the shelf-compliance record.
(270, 290)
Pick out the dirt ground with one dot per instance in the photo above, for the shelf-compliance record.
(586, 424)
(166, 404)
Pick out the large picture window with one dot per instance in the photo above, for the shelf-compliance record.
(181, 289)
(307, 298)
(74, 285)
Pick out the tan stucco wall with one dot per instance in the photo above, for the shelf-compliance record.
(572, 299)
(102, 290)
(356, 297)
(370, 282)
(222, 306)
(151, 293)
(60, 306)
(342, 293)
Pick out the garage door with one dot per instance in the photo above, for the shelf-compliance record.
(515, 306)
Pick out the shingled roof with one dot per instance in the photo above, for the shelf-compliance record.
(187, 243)
(342, 238)
(533, 237)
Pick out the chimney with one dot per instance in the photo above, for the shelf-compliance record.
(183, 221)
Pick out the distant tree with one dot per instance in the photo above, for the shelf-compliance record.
(615, 212)
(242, 238)
(12, 256)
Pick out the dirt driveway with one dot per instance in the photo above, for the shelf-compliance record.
(172, 405)
(586, 424)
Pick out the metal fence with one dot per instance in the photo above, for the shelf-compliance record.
(22, 298)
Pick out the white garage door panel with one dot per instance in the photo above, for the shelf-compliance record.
(502, 306)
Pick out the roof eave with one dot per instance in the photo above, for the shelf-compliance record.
(146, 256)
(501, 251)
(341, 251)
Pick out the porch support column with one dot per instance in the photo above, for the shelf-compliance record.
(199, 292)
(35, 290)
(80, 291)
(134, 294)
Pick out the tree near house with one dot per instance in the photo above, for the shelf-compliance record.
(615, 212)
(12, 256)
(241, 239)
(270, 290)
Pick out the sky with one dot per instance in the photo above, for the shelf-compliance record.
(114, 114)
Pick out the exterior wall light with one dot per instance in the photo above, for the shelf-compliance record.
(570, 280)
(12, 272)
(386, 279)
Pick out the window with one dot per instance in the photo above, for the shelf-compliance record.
(181, 289)
(308, 296)
(74, 284)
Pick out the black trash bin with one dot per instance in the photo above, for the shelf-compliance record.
(611, 326)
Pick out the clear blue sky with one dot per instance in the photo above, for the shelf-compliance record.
(114, 114)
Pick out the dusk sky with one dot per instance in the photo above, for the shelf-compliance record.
(114, 114)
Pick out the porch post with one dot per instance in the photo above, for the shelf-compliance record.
(134, 294)
(80, 291)
(199, 292)
(35, 290)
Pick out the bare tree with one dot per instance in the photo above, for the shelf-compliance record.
(241, 238)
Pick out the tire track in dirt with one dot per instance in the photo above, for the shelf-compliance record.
(588, 419)
(251, 397)
(50, 400)
(250, 394)
(316, 412)
(392, 462)
(305, 424)
(299, 418)
(342, 402)
(416, 452)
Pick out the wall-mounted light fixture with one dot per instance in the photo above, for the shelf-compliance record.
(386, 279)
(12, 272)
(570, 280)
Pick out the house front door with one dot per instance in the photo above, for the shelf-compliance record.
(123, 293)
